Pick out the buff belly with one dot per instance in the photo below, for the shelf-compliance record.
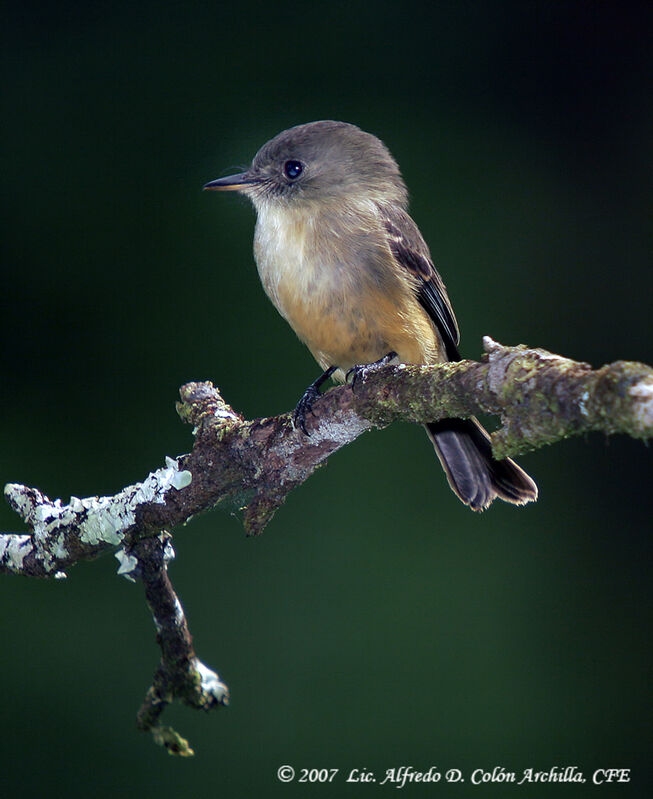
(340, 309)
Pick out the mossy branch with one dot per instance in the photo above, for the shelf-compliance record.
(540, 398)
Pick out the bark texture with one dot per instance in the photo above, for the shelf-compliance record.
(253, 465)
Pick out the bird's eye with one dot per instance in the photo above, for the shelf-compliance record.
(293, 169)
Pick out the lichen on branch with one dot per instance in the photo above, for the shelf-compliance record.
(540, 398)
(252, 466)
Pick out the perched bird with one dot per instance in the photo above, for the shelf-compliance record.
(347, 267)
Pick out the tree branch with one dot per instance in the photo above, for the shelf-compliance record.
(541, 398)
(181, 674)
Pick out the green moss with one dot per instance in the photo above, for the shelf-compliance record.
(172, 741)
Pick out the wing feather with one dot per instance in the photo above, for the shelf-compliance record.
(411, 252)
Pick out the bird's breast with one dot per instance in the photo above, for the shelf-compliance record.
(309, 279)
(288, 262)
(335, 287)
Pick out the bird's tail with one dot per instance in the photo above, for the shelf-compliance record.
(475, 476)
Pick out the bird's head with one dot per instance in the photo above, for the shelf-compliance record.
(317, 164)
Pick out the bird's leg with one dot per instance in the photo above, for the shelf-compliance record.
(305, 404)
(362, 370)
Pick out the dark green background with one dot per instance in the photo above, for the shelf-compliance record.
(377, 622)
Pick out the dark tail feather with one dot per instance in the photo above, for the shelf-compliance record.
(475, 476)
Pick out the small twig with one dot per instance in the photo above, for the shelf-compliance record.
(181, 674)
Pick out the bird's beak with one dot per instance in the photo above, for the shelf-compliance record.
(230, 183)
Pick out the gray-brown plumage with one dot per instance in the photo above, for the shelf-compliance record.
(347, 267)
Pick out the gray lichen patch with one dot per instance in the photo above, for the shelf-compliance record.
(128, 564)
(91, 522)
(642, 394)
(210, 684)
(14, 549)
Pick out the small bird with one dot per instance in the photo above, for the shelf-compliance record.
(346, 266)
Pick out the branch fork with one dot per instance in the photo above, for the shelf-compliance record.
(253, 465)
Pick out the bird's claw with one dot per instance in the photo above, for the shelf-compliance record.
(304, 407)
(359, 373)
(305, 404)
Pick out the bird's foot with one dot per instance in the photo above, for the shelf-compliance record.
(305, 404)
(359, 373)
(304, 407)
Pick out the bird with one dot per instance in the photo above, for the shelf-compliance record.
(347, 267)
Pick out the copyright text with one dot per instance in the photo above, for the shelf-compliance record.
(402, 776)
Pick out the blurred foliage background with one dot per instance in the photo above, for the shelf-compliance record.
(377, 622)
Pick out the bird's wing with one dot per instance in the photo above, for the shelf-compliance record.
(411, 252)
